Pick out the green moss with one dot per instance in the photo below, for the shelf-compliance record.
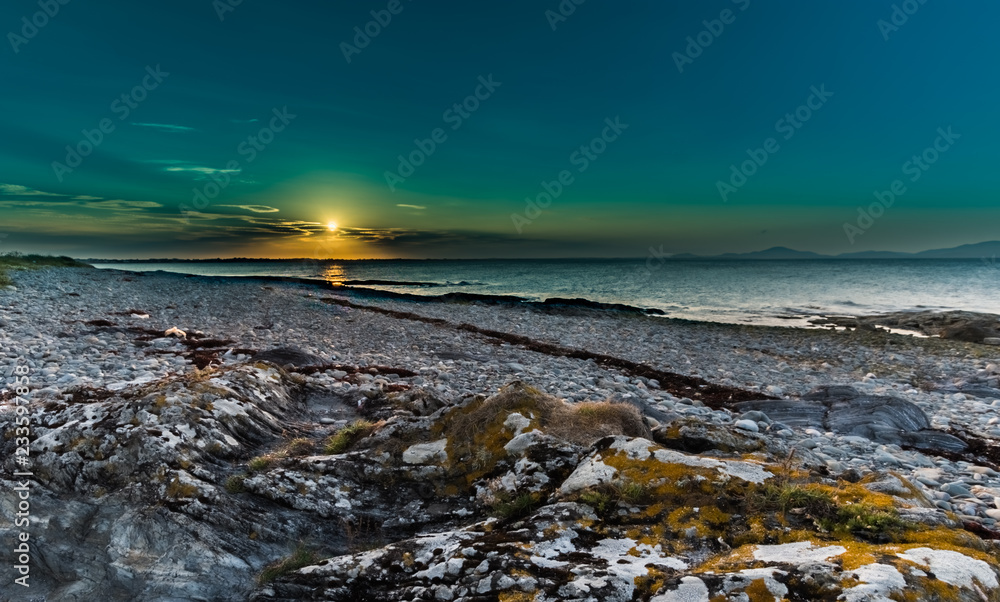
(301, 557)
(867, 520)
(343, 439)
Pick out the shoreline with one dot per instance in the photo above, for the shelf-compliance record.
(888, 321)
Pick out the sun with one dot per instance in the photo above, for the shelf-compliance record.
(331, 226)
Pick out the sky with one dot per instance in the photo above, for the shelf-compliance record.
(523, 128)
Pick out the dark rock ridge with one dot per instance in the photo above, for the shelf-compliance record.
(843, 410)
(969, 327)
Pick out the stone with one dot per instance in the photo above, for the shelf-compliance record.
(427, 453)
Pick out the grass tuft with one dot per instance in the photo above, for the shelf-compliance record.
(301, 557)
(343, 439)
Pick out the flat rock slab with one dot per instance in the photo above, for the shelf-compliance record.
(843, 410)
(284, 356)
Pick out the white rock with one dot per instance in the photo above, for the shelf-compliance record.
(692, 589)
(954, 568)
(516, 422)
(427, 453)
(747, 425)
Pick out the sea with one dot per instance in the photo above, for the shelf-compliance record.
(765, 292)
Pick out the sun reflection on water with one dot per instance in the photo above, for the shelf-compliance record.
(334, 273)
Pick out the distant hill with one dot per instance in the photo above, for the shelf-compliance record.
(774, 253)
(983, 250)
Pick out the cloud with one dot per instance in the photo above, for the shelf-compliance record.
(17, 190)
(121, 205)
(166, 127)
(254, 208)
(420, 207)
(207, 171)
(56, 201)
(244, 120)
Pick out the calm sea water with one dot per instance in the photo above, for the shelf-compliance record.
(760, 292)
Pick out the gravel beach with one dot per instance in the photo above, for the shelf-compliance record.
(85, 328)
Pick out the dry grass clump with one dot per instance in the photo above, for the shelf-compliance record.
(582, 423)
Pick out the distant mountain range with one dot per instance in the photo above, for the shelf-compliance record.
(988, 251)
(983, 250)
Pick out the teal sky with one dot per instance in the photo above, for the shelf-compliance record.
(201, 80)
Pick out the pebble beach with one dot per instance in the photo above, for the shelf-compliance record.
(85, 329)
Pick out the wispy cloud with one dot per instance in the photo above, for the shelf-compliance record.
(419, 207)
(29, 197)
(166, 127)
(18, 190)
(254, 208)
(244, 120)
(202, 170)
(119, 204)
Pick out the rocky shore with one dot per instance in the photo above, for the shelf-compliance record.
(199, 438)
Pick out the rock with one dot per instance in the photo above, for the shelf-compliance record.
(427, 453)
(289, 356)
(696, 436)
(974, 332)
(844, 410)
(991, 341)
(175, 332)
(747, 425)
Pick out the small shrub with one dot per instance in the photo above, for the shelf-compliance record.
(301, 557)
(235, 484)
(260, 463)
(343, 439)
